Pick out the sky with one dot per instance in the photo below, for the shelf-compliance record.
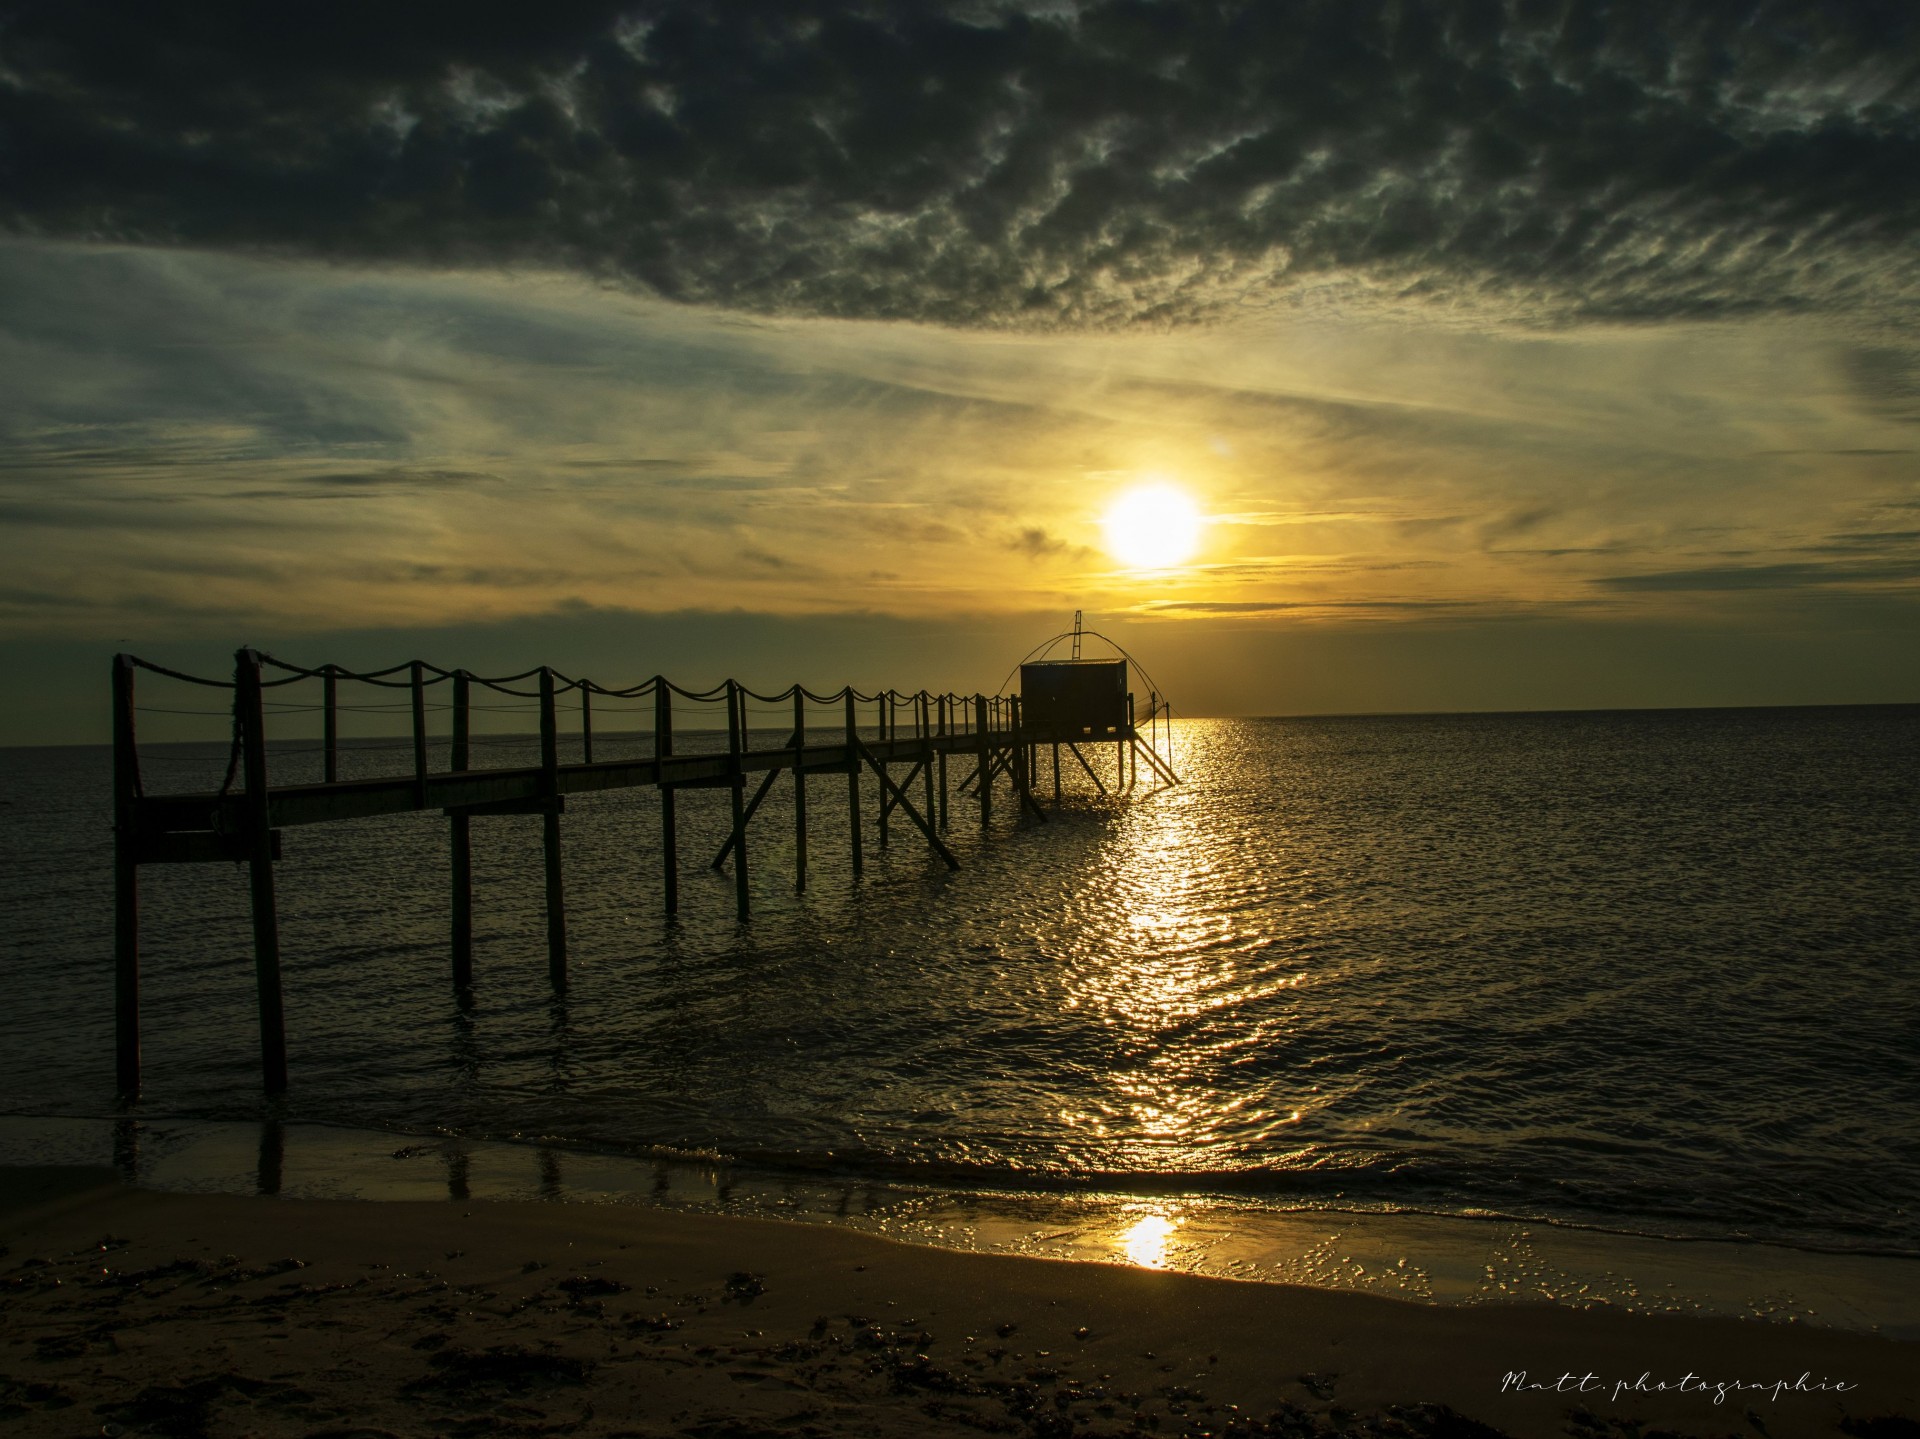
(1514, 356)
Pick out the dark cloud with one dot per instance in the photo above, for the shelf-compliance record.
(987, 164)
(1855, 543)
(1254, 609)
(1885, 381)
(1036, 543)
(1788, 575)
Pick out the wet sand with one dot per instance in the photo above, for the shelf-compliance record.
(128, 1311)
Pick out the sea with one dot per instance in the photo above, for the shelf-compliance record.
(1653, 974)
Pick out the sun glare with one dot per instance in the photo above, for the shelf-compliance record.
(1153, 527)
(1145, 1241)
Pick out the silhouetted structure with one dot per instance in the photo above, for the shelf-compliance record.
(242, 821)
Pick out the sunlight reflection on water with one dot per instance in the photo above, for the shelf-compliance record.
(1643, 970)
(1144, 1242)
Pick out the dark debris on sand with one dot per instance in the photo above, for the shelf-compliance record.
(501, 1369)
(373, 1352)
(1881, 1426)
(184, 1411)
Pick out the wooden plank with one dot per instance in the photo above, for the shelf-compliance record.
(294, 805)
(557, 804)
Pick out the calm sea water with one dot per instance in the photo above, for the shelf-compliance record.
(1653, 971)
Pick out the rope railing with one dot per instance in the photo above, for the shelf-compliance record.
(749, 716)
(425, 674)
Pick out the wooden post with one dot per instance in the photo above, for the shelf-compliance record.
(853, 779)
(330, 724)
(126, 884)
(259, 841)
(663, 749)
(1022, 760)
(460, 837)
(799, 791)
(1056, 771)
(984, 744)
(925, 721)
(1011, 715)
(417, 684)
(946, 714)
(883, 709)
(586, 723)
(736, 743)
(550, 832)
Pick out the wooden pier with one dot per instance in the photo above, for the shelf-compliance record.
(243, 820)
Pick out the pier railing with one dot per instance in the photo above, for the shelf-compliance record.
(844, 733)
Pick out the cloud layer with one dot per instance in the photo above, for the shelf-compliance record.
(994, 165)
(201, 443)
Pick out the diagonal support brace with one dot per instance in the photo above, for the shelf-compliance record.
(1075, 750)
(886, 801)
(900, 801)
(753, 805)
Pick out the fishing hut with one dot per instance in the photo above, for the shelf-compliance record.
(1078, 701)
(903, 746)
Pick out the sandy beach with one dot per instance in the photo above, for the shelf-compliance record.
(128, 1311)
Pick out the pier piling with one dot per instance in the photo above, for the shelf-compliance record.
(126, 884)
(737, 796)
(669, 828)
(550, 831)
(984, 774)
(460, 839)
(250, 715)
(799, 790)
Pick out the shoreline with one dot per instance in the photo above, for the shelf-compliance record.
(1449, 1261)
(221, 1313)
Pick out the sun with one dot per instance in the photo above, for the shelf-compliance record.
(1153, 527)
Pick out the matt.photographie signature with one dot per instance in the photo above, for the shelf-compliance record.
(1515, 1381)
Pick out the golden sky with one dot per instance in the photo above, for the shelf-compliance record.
(1510, 358)
(318, 448)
